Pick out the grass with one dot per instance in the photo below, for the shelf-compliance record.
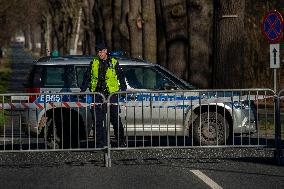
(5, 73)
(267, 126)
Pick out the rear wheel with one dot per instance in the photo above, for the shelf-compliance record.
(63, 132)
(53, 139)
(210, 129)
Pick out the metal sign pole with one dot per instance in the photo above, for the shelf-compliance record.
(275, 80)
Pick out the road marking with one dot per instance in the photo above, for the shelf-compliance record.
(206, 179)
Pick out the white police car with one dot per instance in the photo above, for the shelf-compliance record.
(157, 103)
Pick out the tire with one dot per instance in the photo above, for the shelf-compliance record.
(54, 137)
(209, 131)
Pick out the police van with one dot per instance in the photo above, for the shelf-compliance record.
(156, 103)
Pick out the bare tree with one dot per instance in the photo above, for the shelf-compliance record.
(200, 40)
(89, 38)
(103, 16)
(161, 36)
(149, 30)
(116, 36)
(123, 26)
(176, 23)
(64, 15)
(230, 44)
(135, 28)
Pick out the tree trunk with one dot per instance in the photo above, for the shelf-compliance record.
(200, 51)
(103, 16)
(135, 28)
(230, 44)
(123, 26)
(43, 42)
(48, 33)
(89, 28)
(175, 22)
(116, 37)
(99, 26)
(161, 36)
(77, 31)
(149, 30)
(33, 33)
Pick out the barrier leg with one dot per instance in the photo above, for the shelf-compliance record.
(278, 151)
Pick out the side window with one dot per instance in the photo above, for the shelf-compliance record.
(80, 72)
(142, 77)
(54, 76)
(182, 85)
(59, 76)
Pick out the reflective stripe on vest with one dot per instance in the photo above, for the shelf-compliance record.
(111, 80)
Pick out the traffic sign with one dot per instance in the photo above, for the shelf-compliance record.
(274, 56)
(272, 26)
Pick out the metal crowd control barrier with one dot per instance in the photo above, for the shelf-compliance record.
(138, 120)
(195, 118)
(279, 130)
(47, 121)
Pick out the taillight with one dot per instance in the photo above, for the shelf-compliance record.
(32, 90)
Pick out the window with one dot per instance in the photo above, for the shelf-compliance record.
(59, 76)
(81, 71)
(145, 77)
(54, 76)
(182, 84)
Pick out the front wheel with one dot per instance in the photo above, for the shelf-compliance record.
(62, 132)
(53, 138)
(211, 128)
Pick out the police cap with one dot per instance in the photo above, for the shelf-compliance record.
(100, 47)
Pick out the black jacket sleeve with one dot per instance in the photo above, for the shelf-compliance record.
(121, 77)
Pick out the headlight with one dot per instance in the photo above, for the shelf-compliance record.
(241, 105)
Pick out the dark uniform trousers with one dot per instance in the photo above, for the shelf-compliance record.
(99, 113)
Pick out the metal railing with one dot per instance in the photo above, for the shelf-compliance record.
(140, 120)
(49, 121)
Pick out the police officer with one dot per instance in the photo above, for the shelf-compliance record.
(105, 76)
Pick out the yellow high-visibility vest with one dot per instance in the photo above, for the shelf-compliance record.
(111, 79)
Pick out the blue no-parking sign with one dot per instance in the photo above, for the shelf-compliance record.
(272, 26)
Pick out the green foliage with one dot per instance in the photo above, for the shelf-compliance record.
(1, 122)
(5, 73)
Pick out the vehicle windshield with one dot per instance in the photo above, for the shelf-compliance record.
(152, 78)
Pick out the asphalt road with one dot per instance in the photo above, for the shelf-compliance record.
(140, 169)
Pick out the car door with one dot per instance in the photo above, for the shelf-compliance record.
(151, 113)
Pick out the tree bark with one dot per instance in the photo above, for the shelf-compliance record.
(89, 39)
(77, 31)
(200, 35)
(43, 41)
(27, 37)
(175, 22)
(149, 30)
(161, 36)
(103, 16)
(116, 37)
(123, 26)
(135, 28)
(230, 44)
(99, 26)
(32, 37)
(106, 8)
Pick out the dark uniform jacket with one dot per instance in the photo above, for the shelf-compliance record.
(101, 85)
